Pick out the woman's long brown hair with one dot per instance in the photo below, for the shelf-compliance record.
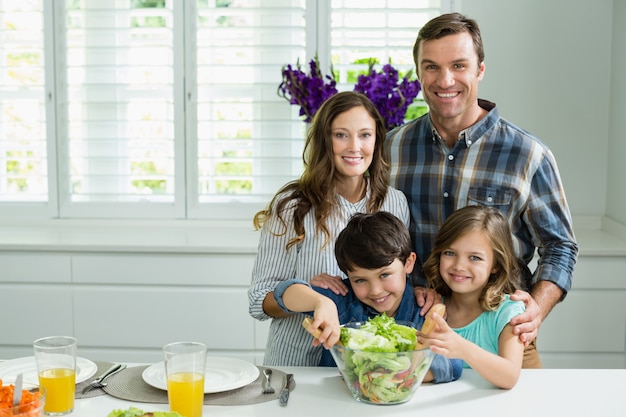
(315, 190)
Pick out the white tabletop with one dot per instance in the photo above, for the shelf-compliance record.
(320, 391)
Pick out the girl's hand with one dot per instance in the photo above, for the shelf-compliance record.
(443, 340)
(335, 284)
(426, 298)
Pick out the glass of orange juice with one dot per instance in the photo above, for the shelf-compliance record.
(56, 365)
(184, 369)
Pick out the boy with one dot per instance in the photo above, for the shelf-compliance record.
(374, 251)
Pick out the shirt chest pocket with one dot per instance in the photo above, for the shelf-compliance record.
(489, 196)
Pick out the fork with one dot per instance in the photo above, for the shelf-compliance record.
(99, 382)
(267, 388)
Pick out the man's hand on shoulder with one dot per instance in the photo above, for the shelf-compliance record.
(526, 325)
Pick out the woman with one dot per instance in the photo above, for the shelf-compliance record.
(345, 172)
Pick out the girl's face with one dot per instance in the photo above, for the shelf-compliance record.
(354, 136)
(382, 288)
(467, 264)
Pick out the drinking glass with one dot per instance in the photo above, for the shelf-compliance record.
(184, 368)
(56, 366)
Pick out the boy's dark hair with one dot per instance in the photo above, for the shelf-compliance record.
(372, 241)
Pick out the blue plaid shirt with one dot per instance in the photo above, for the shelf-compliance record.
(493, 163)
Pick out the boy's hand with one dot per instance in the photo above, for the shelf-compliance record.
(325, 325)
(426, 298)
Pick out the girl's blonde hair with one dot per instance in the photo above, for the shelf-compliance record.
(492, 223)
(315, 189)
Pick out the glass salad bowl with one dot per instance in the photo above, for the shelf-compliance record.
(382, 377)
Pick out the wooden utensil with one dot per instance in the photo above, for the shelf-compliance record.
(429, 323)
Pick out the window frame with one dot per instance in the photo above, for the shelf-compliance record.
(186, 203)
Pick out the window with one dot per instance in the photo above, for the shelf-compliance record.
(168, 109)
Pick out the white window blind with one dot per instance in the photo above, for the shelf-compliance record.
(383, 31)
(116, 96)
(23, 152)
(248, 144)
(169, 108)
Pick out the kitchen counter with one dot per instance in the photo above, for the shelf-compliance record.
(539, 393)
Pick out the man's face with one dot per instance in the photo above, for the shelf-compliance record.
(449, 74)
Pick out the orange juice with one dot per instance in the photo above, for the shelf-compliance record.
(60, 386)
(185, 391)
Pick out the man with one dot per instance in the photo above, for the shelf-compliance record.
(462, 153)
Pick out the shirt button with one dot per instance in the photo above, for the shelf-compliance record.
(490, 199)
(469, 142)
(445, 194)
(450, 157)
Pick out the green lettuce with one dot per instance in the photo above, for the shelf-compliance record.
(380, 334)
(136, 412)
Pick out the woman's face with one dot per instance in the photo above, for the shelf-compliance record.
(354, 138)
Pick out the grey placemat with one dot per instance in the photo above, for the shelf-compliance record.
(102, 367)
(129, 385)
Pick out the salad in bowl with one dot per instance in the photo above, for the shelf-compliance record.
(379, 361)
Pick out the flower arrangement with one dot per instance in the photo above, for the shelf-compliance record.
(390, 95)
(308, 91)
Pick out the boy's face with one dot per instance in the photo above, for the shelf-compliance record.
(382, 288)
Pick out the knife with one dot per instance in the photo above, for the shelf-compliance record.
(17, 391)
(284, 394)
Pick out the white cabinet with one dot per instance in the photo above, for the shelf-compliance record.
(588, 329)
(125, 307)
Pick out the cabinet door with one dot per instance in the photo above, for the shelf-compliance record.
(34, 267)
(210, 269)
(31, 311)
(150, 317)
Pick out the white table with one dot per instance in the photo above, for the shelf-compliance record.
(321, 392)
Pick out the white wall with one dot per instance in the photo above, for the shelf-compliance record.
(548, 68)
(616, 196)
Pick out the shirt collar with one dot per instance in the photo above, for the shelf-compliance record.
(476, 131)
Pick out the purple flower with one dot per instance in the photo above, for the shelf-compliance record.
(308, 91)
(390, 95)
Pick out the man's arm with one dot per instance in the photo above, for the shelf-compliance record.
(549, 222)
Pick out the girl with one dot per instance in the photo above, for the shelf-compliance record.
(344, 173)
(473, 266)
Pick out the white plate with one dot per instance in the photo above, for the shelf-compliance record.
(27, 366)
(222, 374)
